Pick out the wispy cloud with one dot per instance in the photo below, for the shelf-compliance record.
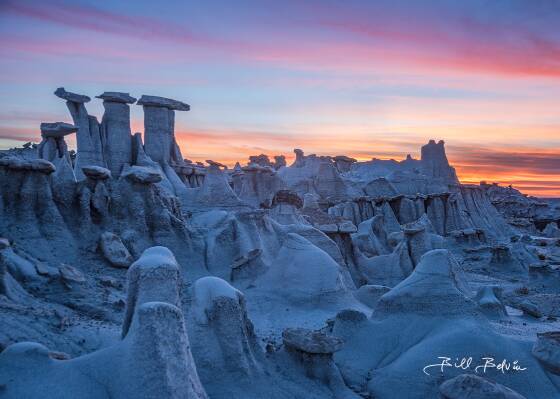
(369, 79)
(86, 17)
(19, 134)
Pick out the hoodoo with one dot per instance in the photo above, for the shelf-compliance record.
(116, 128)
(129, 271)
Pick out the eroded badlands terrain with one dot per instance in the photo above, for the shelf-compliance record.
(128, 271)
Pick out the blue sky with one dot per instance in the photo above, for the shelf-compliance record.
(356, 77)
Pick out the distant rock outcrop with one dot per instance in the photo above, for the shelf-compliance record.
(435, 164)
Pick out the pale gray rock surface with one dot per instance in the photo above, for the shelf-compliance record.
(57, 129)
(36, 165)
(72, 97)
(117, 97)
(88, 137)
(155, 101)
(143, 174)
(310, 341)
(489, 300)
(370, 294)
(435, 164)
(475, 387)
(158, 132)
(118, 140)
(114, 250)
(96, 172)
(547, 350)
(396, 259)
(225, 337)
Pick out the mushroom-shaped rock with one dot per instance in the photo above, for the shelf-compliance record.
(117, 97)
(57, 129)
(159, 128)
(37, 165)
(547, 350)
(224, 335)
(313, 350)
(155, 101)
(96, 172)
(420, 239)
(310, 341)
(89, 137)
(72, 97)
(475, 387)
(114, 250)
(143, 174)
(488, 298)
(116, 127)
(153, 277)
(285, 205)
(470, 236)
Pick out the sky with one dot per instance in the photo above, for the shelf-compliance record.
(360, 78)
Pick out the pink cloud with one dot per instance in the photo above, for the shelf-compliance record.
(101, 21)
(384, 41)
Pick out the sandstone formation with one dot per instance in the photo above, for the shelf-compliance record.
(473, 386)
(116, 127)
(547, 350)
(159, 131)
(152, 360)
(127, 270)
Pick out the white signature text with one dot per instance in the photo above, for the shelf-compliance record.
(482, 366)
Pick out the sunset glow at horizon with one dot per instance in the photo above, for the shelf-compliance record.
(360, 78)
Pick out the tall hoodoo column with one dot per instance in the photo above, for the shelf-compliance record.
(116, 127)
(159, 128)
(88, 136)
(435, 163)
